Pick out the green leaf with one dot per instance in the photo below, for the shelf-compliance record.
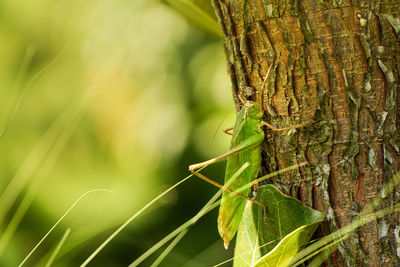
(288, 225)
(247, 250)
(198, 12)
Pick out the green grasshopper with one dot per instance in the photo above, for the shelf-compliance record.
(247, 137)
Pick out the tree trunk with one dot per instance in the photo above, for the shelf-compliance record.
(335, 63)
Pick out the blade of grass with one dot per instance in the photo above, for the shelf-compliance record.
(172, 235)
(169, 248)
(320, 258)
(59, 220)
(322, 251)
(58, 248)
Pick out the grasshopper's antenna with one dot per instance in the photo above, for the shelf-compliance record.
(263, 85)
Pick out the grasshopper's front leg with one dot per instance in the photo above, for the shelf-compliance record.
(227, 189)
(272, 127)
(250, 142)
(246, 144)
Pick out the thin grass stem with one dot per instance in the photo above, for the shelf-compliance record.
(58, 248)
(169, 248)
(59, 220)
(171, 235)
(321, 250)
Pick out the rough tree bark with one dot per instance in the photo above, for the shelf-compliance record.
(335, 62)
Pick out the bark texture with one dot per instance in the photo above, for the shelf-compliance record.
(336, 62)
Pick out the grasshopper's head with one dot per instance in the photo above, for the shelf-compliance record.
(252, 109)
(246, 92)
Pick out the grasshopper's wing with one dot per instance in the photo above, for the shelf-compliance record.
(246, 133)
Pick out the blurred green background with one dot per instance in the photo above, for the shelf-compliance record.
(119, 95)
